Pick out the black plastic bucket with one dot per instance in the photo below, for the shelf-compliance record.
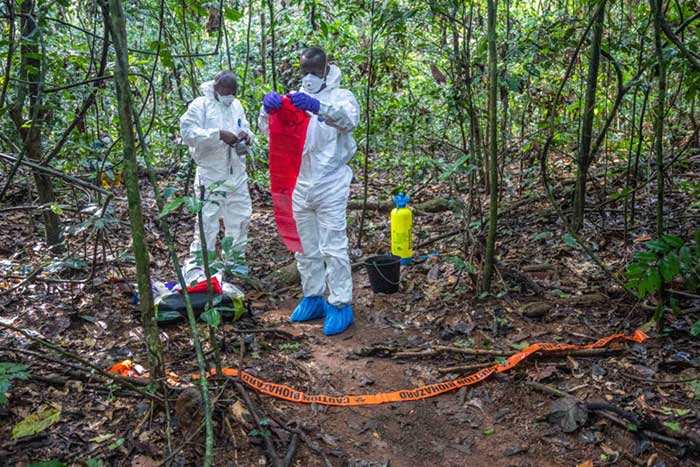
(384, 273)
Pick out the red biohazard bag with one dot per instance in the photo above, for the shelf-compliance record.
(287, 136)
(201, 286)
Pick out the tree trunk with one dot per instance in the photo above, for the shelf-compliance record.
(247, 49)
(657, 11)
(273, 70)
(263, 42)
(584, 147)
(493, 148)
(31, 70)
(115, 15)
(368, 125)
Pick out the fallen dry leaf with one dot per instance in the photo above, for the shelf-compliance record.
(144, 461)
(240, 413)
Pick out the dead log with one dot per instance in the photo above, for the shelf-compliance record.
(288, 275)
(283, 277)
(431, 206)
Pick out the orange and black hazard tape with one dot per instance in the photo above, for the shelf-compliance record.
(280, 391)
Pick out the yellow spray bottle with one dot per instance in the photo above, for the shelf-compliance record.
(402, 229)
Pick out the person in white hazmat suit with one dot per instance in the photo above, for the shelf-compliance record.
(320, 197)
(218, 134)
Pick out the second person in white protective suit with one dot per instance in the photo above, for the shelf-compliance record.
(217, 132)
(320, 197)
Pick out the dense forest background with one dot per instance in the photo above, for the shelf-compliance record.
(551, 150)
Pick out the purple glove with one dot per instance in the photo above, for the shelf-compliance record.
(303, 101)
(272, 101)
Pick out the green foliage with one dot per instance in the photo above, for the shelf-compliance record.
(259, 433)
(570, 240)
(74, 264)
(673, 426)
(8, 373)
(696, 389)
(192, 203)
(211, 316)
(663, 261)
(695, 329)
(460, 264)
(116, 444)
(289, 347)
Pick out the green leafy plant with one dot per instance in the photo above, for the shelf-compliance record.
(289, 347)
(696, 389)
(230, 257)
(8, 373)
(259, 433)
(663, 261)
(461, 265)
(212, 315)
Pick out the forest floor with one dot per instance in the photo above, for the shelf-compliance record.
(503, 421)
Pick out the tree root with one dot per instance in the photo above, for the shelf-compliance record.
(647, 426)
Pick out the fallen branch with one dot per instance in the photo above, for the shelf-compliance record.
(505, 211)
(431, 206)
(293, 444)
(55, 173)
(463, 368)
(187, 441)
(466, 351)
(546, 388)
(389, 352)
(264, 330)
(523, 278)
(117, 379)
(269, 446)
(59, 381)
(26, 280)
(651, 427)
(311, 445)
(659, 381)
(43, 356)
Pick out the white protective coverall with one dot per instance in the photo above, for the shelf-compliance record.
(321, 193)
(218, 162)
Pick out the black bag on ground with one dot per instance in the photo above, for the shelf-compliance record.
(172, 308)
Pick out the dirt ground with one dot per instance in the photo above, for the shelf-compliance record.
(503, 421)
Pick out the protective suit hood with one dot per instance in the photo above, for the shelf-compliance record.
(207, 90)
(333, 78)
(332, 82)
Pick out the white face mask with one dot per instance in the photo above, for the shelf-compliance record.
(226, 100)
(312, 84)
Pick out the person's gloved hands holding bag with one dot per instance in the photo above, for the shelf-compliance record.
(272, 101)
(303, 101)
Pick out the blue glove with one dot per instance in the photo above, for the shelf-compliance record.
(337, 319)
(309, 308)
(272, 101)
(303, 101)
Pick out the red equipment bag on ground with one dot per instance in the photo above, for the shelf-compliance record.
(287, 136)
(201, 286)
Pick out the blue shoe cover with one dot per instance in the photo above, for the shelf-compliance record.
(337, 319)
(309, 308)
